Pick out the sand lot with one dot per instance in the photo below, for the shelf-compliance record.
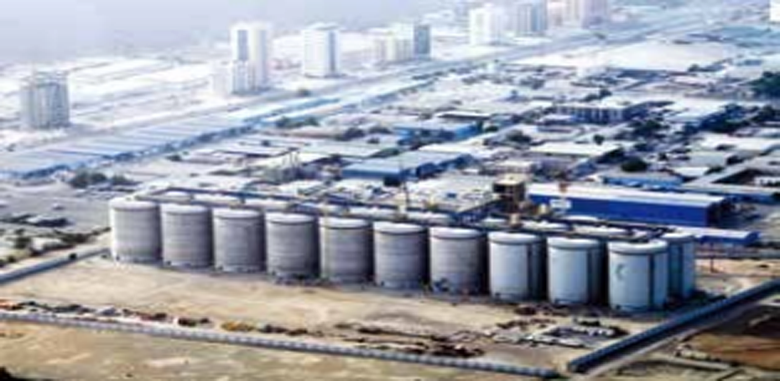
(66, 354)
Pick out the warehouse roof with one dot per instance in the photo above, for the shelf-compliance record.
(576, 149)
(626, 195)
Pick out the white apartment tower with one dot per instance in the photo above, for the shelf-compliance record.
(321, 51)
(44, 101)
(487, 25)
(586, 13)
(250, 66)
(774, 11)
(420, 34)
(528, 18)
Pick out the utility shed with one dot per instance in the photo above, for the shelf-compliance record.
(631, 205)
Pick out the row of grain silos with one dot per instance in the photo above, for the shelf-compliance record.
(510, 266)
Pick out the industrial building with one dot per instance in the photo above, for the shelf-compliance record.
(633, 205)
(413, 164)
(437, 129)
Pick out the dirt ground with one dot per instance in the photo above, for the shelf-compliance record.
(52, 353)
(753, 339)
(251, 299)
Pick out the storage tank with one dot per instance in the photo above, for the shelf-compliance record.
(576, 270)
(400, 255)
(682, 264)
(345, 250)
(291, 245)
(238, 240)
(187, 236)
(638, 275)
(135, 231)
(517, 266)
(458, 261)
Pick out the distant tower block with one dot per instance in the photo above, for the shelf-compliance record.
(321, 51)
(45, 101)
(249, 70)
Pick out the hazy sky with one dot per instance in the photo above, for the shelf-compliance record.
(35, 30)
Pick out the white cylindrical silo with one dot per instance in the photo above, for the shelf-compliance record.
(682, 264)
(458, 260)
(517, 266)
(239, 241)
(345, 250)
(291, 245)
(575, 271)
(187, 236)
(136, 235)
(400, 255)
(638, 276)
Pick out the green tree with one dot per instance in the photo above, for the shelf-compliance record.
(768, 85)
(634, 164)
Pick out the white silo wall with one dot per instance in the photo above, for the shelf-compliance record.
(400, 255)
(345, 250)
(576, 271)
(187, 236)
(136, 235)
(458, 261)
(239, 241)
(682, 264)
(638, 276)
(517, 266)
(291, 245)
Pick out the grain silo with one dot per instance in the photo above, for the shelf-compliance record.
(576, 271)
(638, 275)
(400, 255)
(458, 263)
(345, 250)
(187, 236)
(136, 235)
(239, 241)
(517, 266)
(682, 264)
(291, 245)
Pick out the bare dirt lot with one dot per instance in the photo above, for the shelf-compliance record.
(753, 339)
(323, 312)
(65, 354)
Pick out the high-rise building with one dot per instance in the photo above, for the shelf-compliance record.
(321, 51)
(487, 25)
(250, 67)
(44, 101)
(390, 47)
(774, 11)
(419, 34)
(586, 13)
(528, 17)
